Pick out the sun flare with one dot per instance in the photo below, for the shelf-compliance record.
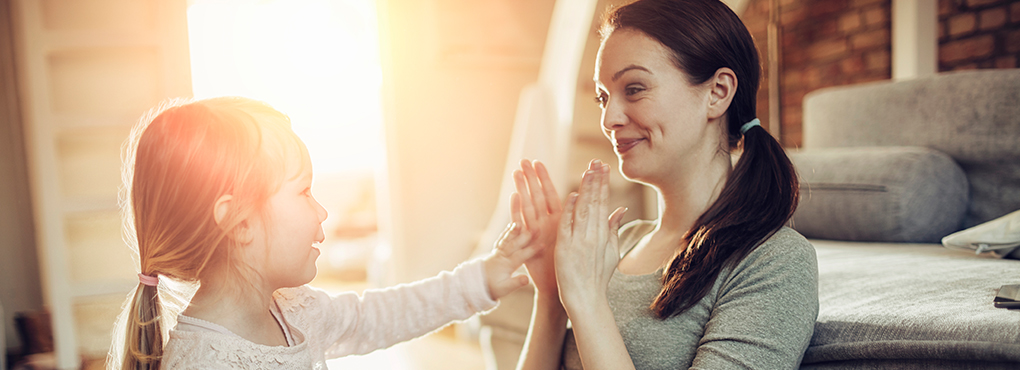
(315, 60)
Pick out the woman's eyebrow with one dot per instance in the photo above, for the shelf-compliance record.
(617, 75)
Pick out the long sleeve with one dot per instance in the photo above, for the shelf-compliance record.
(347, 324)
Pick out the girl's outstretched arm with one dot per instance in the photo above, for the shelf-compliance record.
(587, 254)
(536, 205)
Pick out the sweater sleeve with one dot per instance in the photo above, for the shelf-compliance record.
(766, 310)
(349, 324)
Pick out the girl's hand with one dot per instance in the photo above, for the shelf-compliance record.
(587, 245)
(536, 205)
(512, 248)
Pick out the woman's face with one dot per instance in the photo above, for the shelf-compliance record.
(655, 118)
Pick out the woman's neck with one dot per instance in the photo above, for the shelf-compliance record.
(690, 194)
(244, 310)
(681, 202)
(687, 197)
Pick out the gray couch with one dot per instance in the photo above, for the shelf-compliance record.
(887, 169)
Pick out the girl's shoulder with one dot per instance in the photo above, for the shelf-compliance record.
(297, 298)
(207, 350)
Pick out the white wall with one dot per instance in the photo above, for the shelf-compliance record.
(453, 71)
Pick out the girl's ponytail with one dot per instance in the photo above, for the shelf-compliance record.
(143, 349)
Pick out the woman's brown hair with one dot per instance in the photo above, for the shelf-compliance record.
(760, 195)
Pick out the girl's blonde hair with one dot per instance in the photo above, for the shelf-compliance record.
(178, 161)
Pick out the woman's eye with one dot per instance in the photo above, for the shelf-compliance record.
(632, 90)
(601, 100)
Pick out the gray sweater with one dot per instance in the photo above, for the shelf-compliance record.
(758, 315)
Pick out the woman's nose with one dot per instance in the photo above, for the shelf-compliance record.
(613, 117)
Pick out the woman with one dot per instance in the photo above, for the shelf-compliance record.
(717, 281)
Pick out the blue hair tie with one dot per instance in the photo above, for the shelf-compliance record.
(747, 126)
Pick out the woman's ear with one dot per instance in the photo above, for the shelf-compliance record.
(722, 88)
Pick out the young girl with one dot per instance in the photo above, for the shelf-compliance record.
(218, 197)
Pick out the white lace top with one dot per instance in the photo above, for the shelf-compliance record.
(322, 326)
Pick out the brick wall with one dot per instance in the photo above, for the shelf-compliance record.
(978, 34)
(824, 43)
(840, 42)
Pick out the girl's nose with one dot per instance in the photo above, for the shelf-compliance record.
(321, 211)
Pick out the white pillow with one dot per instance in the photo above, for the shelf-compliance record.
(1000, 236)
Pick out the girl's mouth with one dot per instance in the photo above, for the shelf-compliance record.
(624, 145)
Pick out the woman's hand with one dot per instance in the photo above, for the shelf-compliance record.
(587, 244)
(536, 206)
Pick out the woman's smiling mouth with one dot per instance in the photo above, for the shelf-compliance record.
(623, 145)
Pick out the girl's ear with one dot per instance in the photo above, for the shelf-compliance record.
(723, 86)
(221, 207)
(240, 232)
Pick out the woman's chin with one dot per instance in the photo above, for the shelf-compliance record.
(630, 171)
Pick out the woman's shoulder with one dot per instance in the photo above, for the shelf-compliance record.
(785, 252)
(786, 259)
(788, 244)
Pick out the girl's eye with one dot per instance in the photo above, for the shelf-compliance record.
(307, 192)
(601, 100)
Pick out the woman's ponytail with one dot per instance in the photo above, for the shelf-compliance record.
(759, 197)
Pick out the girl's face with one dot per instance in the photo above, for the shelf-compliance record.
(294, 224)
(656, 120)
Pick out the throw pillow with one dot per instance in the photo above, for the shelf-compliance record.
(879, 194)
(1000, 236)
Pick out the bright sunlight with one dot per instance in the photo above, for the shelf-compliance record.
(318, 62)
(315, 60)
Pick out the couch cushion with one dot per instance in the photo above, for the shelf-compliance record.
(889, 194)
(972, 116)
(880, 302)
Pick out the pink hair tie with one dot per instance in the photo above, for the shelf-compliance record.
(148, 280)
